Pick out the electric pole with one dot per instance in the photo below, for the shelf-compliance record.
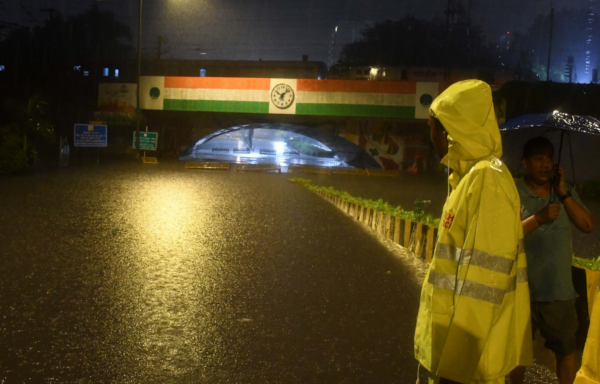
(161, 40)
(550, 44)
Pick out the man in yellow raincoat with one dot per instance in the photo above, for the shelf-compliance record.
(474, 319)
(590, 366)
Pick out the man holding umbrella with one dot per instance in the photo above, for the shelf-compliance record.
(548, 208)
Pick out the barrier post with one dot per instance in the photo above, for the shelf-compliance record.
(418, 240)
(388, 226)
(397, 230)
(407, 230)
(430, 242)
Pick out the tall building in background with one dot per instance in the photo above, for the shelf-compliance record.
(343, 33)
(590, 54)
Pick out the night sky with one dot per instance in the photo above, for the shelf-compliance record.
(274, 29)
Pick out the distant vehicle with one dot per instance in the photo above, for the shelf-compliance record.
(493, 76)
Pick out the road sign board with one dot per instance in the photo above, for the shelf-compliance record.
(148, 141)
(90, 135)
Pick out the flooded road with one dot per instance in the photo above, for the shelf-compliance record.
(130, 274)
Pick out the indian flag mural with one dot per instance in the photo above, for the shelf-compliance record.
(352, 98)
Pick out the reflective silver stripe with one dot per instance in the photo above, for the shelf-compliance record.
(520, 277)
(483, 292)
(492, 262)
(442, 280)
(521, 247)
(466, 288)
(474, 257)
(512, 284)
(448, 252)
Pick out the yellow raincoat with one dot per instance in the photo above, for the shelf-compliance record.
(474, 321)
(590, 366)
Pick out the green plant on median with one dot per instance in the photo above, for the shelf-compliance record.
(377, 205)
(299, 180)
(414, 216)
(591, 264)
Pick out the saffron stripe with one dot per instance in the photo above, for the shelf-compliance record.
(216, 106)
(397, 112)
(355, 98)
(402, 87)
(218, 83)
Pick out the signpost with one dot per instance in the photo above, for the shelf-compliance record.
(91, 136)
(148, 141)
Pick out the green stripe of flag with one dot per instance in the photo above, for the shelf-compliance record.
(216, 106)
(397, 112)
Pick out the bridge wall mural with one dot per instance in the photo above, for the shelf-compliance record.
(384, 118)
(350, 98)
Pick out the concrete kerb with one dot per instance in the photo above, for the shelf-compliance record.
(417, 238)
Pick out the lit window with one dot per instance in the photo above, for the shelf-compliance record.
(2, 68)
(77, 68)
(203, 73)
(116, 73)
(105, 72)
(86, 73)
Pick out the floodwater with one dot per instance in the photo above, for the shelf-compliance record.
(126, 273)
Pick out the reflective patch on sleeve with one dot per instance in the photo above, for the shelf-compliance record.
(492, 262)
(466, 288)
(521, 246)
(448, 252)
(474, 257)
(482, 292)
(442, 280)
(520, 277)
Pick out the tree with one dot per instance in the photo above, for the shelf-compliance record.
(28, 125)
(41, 61)
(414, 42)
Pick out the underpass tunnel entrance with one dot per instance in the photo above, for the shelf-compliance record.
(283, 144)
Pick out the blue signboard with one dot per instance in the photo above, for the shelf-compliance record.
(89, 135)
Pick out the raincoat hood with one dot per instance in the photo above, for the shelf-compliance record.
(466, 111)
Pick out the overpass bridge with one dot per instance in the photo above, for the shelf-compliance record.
(368, 123)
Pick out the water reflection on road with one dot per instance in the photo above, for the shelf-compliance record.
(125, 274)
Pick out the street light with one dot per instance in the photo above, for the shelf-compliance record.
(139, 101)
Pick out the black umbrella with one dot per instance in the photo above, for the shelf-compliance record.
(581, 133)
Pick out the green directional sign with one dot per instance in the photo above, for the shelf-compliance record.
(148, 141)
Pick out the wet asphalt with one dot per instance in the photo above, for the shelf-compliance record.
(155, 274)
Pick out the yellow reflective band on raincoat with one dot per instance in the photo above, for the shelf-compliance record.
(590, 365)
(474, 320)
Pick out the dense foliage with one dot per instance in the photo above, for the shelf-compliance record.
(28, 129)
(414, 42)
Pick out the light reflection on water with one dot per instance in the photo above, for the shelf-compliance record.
(168, 281)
